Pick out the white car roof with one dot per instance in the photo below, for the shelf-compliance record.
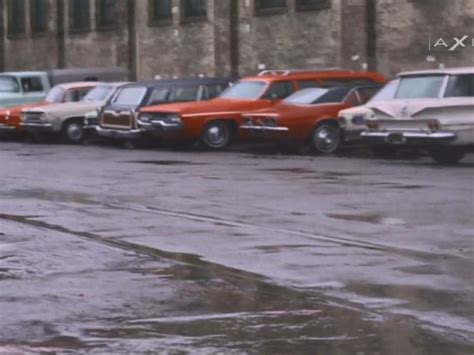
(447, 71)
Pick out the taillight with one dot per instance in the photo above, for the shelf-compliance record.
(372, 125)
(434, 125)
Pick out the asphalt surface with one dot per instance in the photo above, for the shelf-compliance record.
(110, 251)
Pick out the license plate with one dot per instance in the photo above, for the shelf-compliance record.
(396, 138)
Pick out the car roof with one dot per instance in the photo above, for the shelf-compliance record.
(174, 82)
(79, 84)
(24, 73)
(281, 75)
(447, 71)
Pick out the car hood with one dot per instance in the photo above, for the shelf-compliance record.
(217, 105)
(68, 108)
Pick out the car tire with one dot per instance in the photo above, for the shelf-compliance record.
(216, 135)
(326, 138)
(72, 132)
(447, 156)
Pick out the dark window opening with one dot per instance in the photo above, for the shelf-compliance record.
(16, 17)
(305, 84)
(160, 10)
(302, 5)
(460, 86)
(39, 10)
(106, 13)
(32, 84)
(263, 7)
(194, 9)
(279, 90)
(79, 11)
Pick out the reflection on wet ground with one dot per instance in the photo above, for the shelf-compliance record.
(133, 301)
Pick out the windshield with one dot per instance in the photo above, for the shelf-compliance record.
(8, 84)
(420, 87)
(386, 93)
(246, 90)
(130, 96)
(305, 96)
(55, 95)
(99, 93)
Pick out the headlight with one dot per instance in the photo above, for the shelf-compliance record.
(92, 114)
(270, 121)
(247, 121)
(173, 119)
(144, 117)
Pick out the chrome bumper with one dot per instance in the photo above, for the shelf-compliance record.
(5, 128)
(410, 137)
(37, 126)
(119, 134)
(264, 128)
(160, 126)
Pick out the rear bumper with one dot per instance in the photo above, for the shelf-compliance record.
(423, 138)
(161, 127)
(37, 127)
(118, 134)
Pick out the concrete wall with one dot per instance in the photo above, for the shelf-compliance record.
(332, 37)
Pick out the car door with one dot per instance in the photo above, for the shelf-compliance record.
(33, 89)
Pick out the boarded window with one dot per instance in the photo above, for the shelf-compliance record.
(194, 8)
(106, 13)
(160, 10)
(303, 5)
(39, 15)
(79, 14)
(16, 16)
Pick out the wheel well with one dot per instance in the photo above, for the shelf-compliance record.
(71, 119)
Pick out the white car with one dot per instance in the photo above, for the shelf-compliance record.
(353, 121)
(431, 109)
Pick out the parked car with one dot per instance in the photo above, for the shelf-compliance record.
(216, 122)
(118, 117)
(70, 118)
(10, 118)
(308, 117)
(432, 109)
(353, 121)
(18, 88)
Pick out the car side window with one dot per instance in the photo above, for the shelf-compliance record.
(366, 94)
(75, 95)
(306, 84)
(329, 83)
(185, 93)
(353, 98)
(213, 90)
(159, 96)
(279, 90)
(31, 84)
(460, 86)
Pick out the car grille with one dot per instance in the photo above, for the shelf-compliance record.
(32, 116)
(123, 119)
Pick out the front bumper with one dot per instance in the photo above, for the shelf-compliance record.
(7, 129)
(37, 127)
(161, 127)
(423, 138)
(351, 135)
(119, 134)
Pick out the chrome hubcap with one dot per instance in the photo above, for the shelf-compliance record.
(74, 132)
(326, 139)
(217, 135)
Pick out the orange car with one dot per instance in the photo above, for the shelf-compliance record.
(10, 118)
(308, 117)
(216, 121)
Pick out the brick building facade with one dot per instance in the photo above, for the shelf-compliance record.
(220, 37)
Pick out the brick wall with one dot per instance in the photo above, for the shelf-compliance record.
(330, 37)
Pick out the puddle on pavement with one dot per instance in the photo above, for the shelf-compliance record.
(153, 301)
(373, 218)
(163, 162)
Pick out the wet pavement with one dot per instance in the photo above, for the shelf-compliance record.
(108, 251)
